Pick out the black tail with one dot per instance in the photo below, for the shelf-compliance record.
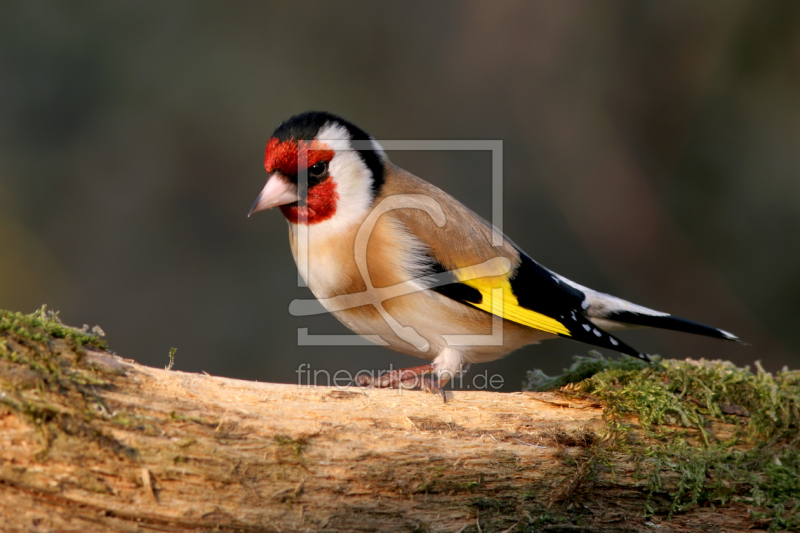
(670, 322)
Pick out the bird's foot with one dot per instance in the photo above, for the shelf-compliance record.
(403, 378)
(418, 377)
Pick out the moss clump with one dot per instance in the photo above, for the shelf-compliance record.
(679, 405)
(584, 366)
(43, 325)
(45, 367)
(49, 348)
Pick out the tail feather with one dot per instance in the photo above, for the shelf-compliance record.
(670, 322)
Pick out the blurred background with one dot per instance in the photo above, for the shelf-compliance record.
(651, 150)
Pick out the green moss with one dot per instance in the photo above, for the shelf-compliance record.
(173, 415)
(49, 380)
(44, 345)
(585, 366)
(677, 404)
(297, 445)
(171, 359)
(43, 325)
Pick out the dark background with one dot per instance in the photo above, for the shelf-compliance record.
(652, 150)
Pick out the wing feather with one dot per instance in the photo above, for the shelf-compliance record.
(527, 293)
(498, 298)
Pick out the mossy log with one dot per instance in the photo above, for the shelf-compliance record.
(90, 441)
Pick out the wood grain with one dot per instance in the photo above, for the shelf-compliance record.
(150, 449)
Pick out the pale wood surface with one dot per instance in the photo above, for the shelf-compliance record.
(159, 450)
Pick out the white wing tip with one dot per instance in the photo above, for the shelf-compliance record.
(729, 336)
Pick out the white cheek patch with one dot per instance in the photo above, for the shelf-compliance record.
(353, 182)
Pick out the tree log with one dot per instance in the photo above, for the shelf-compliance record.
(93, 442)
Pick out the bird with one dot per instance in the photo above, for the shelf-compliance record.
(404, 264)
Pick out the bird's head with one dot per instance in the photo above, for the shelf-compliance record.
(321, 168)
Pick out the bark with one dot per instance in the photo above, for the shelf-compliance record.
(94, 442)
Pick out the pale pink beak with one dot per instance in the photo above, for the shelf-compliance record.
(277, 191)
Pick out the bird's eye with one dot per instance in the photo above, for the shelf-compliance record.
(318, 170)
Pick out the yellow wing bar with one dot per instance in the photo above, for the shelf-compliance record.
(509, 308)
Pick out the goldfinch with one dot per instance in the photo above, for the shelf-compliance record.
(401, 262)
